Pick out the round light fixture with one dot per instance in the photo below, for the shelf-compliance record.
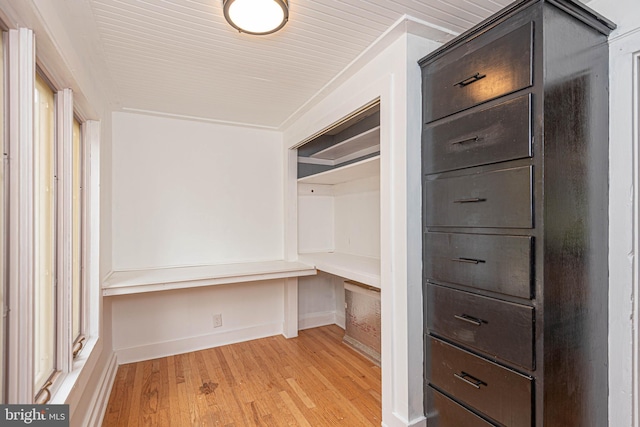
(256, 16)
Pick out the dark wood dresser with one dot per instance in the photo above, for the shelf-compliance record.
(515, 202)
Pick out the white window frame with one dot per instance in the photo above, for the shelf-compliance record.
(64, 225)
(91, 301)
(80, 339)
(21, 77)
(90, 133)
(52, 379)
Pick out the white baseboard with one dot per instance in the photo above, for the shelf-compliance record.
(418, 422)
(100, 398)
(341, 320)
(399, 422)
(314, 320)
(186, 345)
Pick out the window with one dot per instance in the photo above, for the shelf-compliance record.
(45, 301)
(77, 208)
(3, 284)
(58, 237)
(51, 239)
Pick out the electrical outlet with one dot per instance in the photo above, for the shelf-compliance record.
(217, 320)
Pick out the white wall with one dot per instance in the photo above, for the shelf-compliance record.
(343, 217)
(190, 193)
(318, 300)
(357, 217)
(623, 210)
(151, 325)
(316, 218)
(624, 13)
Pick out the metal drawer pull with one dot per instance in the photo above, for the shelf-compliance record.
(471, 381)
(468, 260)
(472, 200)
(468, 319)
(464, 141)
(469, 80)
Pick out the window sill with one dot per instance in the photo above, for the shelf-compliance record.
(66, 385)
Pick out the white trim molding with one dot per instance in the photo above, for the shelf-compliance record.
(290, 325)
(64, 129)
(92, 300)
(624, 183)
(201, 342)
(315, 320)
(21, 80)
(636, 236)
(100, 398)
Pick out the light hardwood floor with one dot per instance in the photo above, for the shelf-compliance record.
(312, 380)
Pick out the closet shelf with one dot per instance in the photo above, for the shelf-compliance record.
(361, 269)
(362, 144)
(363, 169)
(162, 279)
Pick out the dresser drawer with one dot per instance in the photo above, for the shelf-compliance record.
(445, 412)
(499, 67)
(500, 393)
(498, 328)
(501, 264)
(496, 134)
(497, 199)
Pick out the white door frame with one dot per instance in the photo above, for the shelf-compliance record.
(624, 226)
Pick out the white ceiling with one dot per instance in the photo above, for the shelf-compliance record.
(180, 57)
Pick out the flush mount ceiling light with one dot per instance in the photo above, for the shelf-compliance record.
(256, 16)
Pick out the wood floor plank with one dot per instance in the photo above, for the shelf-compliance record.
(239, 391)
(312, 380)
(136, 395)
(207, 398)
(199, 408)
(342, 398)
(149, 399)
(361, 365)
(217, 387)
(301, 394)
(120, 401)
(178, 401)
(302, 421)
(172, 393)
(164, 401)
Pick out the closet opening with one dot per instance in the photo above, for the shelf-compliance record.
(338, 181)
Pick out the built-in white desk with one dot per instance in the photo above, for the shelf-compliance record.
(361, 269)
(353, 267)
(162, 279)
